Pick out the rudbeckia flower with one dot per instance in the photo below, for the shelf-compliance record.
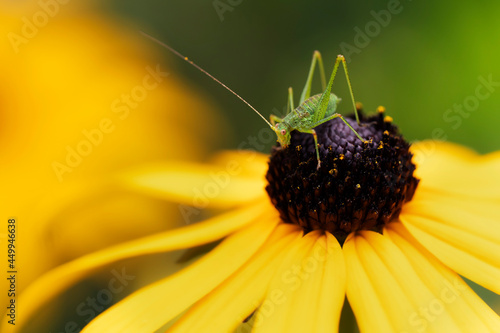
(67, 125)
(389, 226)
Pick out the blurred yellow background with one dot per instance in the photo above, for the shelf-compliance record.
(82, 97)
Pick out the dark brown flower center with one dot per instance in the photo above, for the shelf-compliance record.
(358, 186)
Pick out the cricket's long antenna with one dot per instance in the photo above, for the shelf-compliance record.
(204, 71)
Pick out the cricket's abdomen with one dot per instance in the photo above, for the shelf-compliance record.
(308, 107)
(306, 114)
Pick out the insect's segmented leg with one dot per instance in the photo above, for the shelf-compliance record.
(315, 136)
(275, 119)
(306, 93)
(350, 88)
(290, 107)
(325, 98)
(337, 115)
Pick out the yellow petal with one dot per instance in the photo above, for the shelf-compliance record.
(273, 313)
(196, 185)
(307, 291)
(466, 308)
(372, 302)
(424, 151)
(62, 277)
(251, 162)
(452, 168)
(229, 304)
(394, 285)
(464, 235)
(333, 288)
(151, 307)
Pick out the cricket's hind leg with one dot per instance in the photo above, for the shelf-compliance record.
(306, 92)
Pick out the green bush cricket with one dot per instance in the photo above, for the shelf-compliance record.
(312, 110)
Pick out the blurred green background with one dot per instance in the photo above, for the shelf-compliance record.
(422, 63)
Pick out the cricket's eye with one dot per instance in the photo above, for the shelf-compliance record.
(283, 132)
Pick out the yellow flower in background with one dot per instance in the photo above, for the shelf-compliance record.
(392, 233)
(82, 97)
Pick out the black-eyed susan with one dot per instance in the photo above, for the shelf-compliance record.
(391, 227)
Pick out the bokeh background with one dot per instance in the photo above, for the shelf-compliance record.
(424, 61)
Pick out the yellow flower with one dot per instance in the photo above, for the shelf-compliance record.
(65, 129)
(402, 275)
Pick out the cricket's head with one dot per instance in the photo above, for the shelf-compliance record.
(282, 130)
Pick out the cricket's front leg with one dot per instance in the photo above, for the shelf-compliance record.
(315, 136)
